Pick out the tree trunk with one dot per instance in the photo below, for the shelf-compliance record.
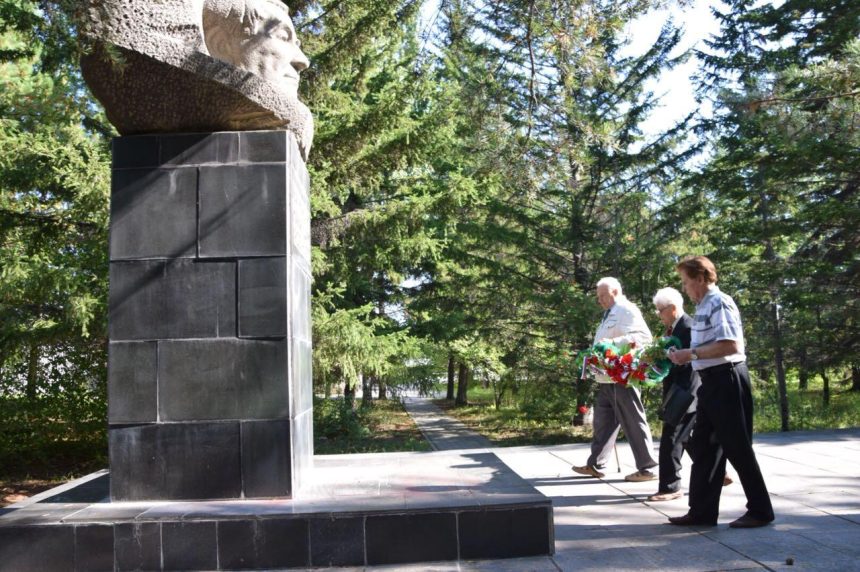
(803, 370)
(498, 393)
(382, 394)
(366, 390)
(348, 393)
(32, 372)
(770, 256)
(450, 394)
(462, 386)
(825, 394)
(780, 368)
(855, 377)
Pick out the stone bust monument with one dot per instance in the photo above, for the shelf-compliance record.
(167, 66)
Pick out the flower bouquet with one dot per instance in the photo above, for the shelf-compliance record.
(629, 365)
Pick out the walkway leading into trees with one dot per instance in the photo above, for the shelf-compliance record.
(442, 431)
(607, 524)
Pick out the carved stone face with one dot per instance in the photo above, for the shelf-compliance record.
(195, 66)
(262, 41)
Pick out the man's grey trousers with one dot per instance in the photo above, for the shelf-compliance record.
(618, 407)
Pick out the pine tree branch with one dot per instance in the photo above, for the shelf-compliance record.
(40, 219)
(757, 103)
(532, 97)
(333, 6)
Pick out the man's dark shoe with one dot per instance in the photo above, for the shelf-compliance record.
(689, 520)
(747, 521)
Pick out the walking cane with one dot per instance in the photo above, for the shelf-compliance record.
(617, 460)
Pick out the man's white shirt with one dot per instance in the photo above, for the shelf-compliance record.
(623, 325)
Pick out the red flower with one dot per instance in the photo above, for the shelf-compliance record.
(627, 359)
(583, 409)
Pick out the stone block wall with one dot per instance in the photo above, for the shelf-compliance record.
(209, 368)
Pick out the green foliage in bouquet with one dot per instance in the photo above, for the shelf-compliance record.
(629, 365)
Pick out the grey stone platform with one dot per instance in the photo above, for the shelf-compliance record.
(609, 525)
(359, 510)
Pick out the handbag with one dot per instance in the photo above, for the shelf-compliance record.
(675, 404)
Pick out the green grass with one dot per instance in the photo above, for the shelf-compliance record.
(516, 424)
(512, 425)
(806, 408)
(508, 427)
(382, 428)
(49, 435)
(46, 442)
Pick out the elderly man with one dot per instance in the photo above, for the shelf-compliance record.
(619, 407)
(670, 308)
(724, 416)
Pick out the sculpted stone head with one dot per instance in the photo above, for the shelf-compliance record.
(196, 65)
(257, 36)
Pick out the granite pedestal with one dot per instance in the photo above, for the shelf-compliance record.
(209, 368)
(359, 510)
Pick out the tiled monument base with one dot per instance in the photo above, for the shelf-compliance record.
(209, 360)
(358, 510)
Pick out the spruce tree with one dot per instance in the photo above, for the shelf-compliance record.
(54, 184)
(783, 175)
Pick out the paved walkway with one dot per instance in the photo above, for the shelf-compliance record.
(442, 431)
(607, 524)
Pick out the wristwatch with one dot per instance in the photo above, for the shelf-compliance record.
(693, 356)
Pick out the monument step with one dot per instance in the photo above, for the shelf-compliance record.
(360, 510)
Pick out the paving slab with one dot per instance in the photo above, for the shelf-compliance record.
(608, 524)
